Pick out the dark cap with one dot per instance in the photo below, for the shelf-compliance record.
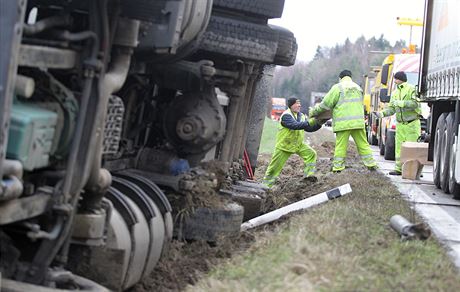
(401, 76)
(291, 101)
(345, 73)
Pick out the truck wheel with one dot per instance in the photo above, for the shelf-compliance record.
(240, 39)
(287, 47)
(211, 223)
(159, 199)
(438, 142)
(264, 8)
(390, 146)
(445, 152)
(454, 187)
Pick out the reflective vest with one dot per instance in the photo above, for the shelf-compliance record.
(289, 140)
(411, 110)
(345, 100)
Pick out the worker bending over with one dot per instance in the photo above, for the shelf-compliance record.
(290, 140)
(345, 101)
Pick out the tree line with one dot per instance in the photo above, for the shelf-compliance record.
(322, 71)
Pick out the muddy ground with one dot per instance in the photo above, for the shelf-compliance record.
(186, 262)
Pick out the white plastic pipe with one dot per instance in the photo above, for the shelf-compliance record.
(300, 205)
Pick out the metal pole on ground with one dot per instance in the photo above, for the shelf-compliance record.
(300, 205)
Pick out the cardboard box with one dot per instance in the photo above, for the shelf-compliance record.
(415, 151)
(412, 169)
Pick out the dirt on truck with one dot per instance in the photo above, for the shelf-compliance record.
(124, 124)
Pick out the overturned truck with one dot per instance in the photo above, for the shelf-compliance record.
(109, 109)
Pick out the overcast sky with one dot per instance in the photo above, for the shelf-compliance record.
(329, 22)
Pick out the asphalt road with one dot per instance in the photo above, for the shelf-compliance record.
(439, 210)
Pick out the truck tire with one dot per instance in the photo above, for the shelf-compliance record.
(454, 187)
(264, 8)
(438, 142)
(286, 52)
(390, 146)
(210, 224)
(446, 152)
(240, 39)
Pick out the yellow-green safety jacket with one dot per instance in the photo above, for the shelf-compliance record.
(345, 100)
(291, 131)
(404, 103)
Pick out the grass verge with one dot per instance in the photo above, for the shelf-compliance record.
(268, 140)
(342, 245)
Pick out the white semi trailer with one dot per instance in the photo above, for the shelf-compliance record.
(439, 82)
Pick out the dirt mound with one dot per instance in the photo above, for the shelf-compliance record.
(291, 187)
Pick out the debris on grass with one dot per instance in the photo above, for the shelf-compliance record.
(408, 230)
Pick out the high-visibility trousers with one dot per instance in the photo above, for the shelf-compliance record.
(341, 145)
(280, 157)
(405, 132)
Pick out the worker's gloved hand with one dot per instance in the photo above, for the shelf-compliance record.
(378, 115)
(397, 103)
(313, 125)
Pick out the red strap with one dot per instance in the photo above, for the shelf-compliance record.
(247, 165)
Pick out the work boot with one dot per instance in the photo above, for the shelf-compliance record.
(311, 178)
(394, 172)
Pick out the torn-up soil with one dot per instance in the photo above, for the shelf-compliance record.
(186, 262)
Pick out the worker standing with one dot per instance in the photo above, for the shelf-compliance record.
(290, 140)
(404, 103)
(345, 101)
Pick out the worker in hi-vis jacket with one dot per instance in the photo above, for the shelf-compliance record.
(290, 140)
(345, 101)
(404, 104)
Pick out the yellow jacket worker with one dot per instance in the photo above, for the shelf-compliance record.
(289, 140)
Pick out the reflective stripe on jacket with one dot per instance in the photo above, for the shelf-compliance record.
(411, 109)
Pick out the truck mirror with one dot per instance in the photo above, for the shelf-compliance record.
(384, 78)
(384, 97)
